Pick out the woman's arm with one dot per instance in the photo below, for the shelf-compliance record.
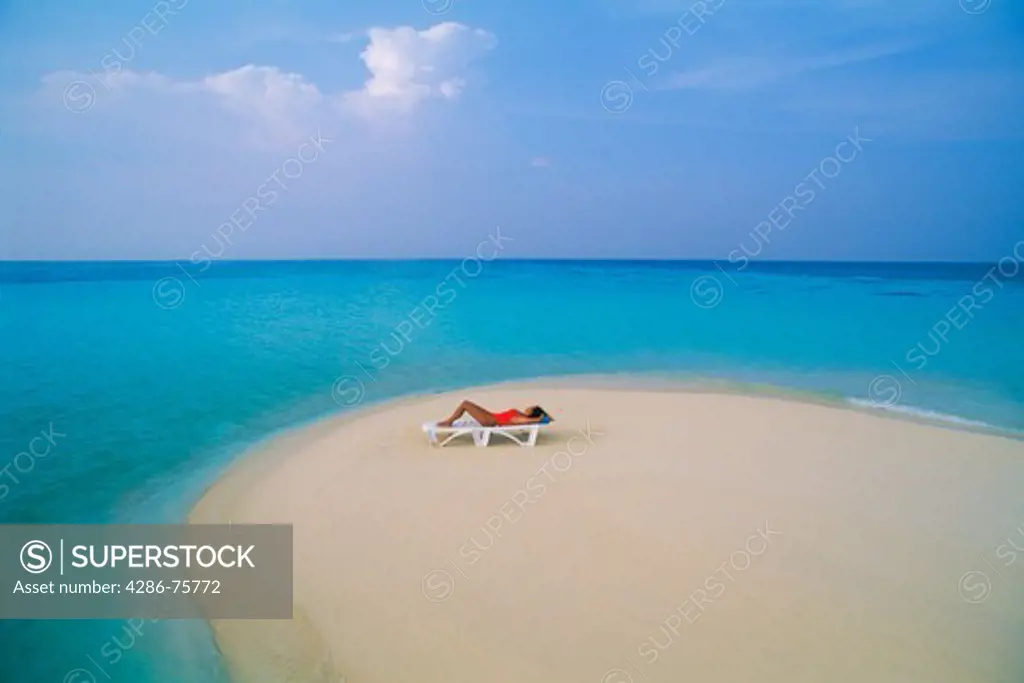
(521, 419)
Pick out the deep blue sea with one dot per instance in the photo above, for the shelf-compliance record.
(149, 378)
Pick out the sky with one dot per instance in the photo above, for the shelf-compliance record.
(778, 129)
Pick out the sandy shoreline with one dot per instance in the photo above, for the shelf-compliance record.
(650, 535)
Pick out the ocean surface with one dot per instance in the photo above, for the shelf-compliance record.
(149, 378)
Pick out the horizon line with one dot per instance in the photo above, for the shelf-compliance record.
(521, 259)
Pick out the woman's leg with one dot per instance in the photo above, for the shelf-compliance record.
(478, 413)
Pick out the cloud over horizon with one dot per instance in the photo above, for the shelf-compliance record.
(409, 66)
(406, 68)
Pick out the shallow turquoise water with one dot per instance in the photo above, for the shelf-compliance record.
(151, 385)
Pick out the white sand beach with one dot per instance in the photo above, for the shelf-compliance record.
(649, 536)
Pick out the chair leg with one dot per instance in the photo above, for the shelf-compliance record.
(454, 435)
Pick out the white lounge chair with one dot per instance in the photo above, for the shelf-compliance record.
(481, 435)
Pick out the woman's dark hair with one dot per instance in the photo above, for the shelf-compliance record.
(538, 412)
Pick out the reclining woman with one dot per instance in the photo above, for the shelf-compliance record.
(532, 415)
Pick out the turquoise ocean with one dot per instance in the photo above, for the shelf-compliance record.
(147, 379)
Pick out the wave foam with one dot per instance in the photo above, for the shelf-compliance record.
(915, 411)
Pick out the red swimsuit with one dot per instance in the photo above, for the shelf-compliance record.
(505, 418)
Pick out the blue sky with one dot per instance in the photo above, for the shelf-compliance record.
(585, 128)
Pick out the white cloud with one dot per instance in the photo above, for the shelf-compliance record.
(265, 93)
(278, 105)
(408, 66)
